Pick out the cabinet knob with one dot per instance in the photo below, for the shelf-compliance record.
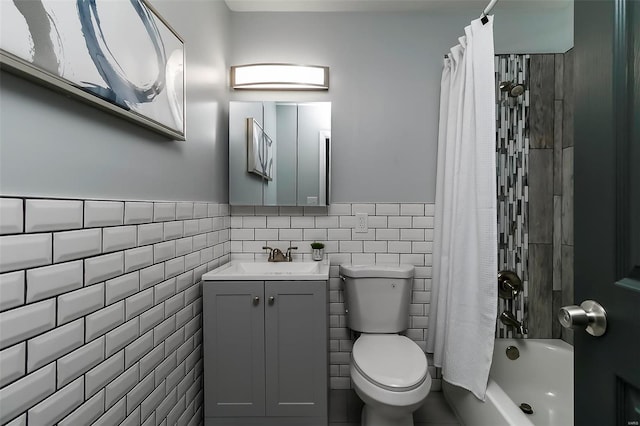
(272, 300)
(256, 300)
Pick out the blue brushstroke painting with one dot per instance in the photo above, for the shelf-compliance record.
(119, 51)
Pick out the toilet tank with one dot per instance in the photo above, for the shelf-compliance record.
(377, 297)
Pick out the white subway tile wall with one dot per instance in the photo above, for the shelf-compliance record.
(101, 309)
(52, 215)
(398, 233)
(12, 217)
(103, 213)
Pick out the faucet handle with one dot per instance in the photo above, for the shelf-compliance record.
(270, 252)
(289, 253)
(509, 284)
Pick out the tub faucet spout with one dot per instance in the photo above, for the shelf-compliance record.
(508, 319)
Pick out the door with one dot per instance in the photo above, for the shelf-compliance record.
(607, 208)
(234, 348)
(296, 348)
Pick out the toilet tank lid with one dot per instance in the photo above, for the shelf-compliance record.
(377, 271)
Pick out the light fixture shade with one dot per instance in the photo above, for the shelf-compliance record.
(280, 77)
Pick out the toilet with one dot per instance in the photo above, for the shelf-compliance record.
(388, 371)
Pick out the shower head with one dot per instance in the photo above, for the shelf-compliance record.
(514, 90)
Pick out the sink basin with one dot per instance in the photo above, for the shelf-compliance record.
(279, 267)
(271, 271)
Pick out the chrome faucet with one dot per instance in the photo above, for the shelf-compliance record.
(276, 255)
(508, 319)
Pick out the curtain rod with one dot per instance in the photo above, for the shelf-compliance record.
(487, 10)
(483, 17)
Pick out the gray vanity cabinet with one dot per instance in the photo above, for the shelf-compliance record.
(265, 352)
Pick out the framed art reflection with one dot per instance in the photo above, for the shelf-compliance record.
(259, 151)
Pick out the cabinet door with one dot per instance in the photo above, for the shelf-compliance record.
(296, 348)
(234, 348)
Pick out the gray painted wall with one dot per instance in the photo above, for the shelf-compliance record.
(55, 146)
(385, 83)
(385, 74)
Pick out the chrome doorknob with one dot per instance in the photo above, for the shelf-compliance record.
(590, 315)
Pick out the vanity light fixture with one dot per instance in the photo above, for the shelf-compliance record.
(280, 77)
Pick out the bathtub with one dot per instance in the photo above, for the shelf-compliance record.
(542, 377)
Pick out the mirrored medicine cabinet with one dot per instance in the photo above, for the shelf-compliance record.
(279, 153)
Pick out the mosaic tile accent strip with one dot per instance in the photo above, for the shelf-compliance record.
(101, 309)
(512, 145)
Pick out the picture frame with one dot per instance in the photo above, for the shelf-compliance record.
(259, 151)
(79, 48)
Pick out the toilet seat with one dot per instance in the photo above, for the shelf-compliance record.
(392, 362)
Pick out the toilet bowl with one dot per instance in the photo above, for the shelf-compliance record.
(390, 375)
(389, 371)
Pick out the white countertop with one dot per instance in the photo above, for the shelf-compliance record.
(269, 271)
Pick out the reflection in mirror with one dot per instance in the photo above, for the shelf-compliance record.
(259, 150)
(314, 137)
(279, 153)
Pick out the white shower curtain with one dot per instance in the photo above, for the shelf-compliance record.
(464, 289)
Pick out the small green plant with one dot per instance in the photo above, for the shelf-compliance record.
(316, 245)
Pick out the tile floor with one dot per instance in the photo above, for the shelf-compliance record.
(345, 407)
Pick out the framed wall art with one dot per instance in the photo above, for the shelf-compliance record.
(120, 56)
